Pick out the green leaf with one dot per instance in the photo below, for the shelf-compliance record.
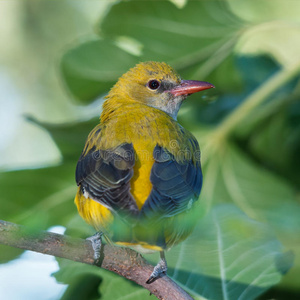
(258, 11)
(132, 291)
(229, 256)
(230, 176)
(84, 287)
(69, 137)
(73, 274)
(42, 194)
(166, 31)
(274, 28)
(272, 141)
(90, 70)
(41, 198)
(38, 198)
(191, 39)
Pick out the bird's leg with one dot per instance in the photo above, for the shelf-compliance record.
(160, 269)
(96, 241)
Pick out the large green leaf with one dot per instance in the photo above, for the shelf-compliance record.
(44, 194)
(176, 35)
(91, 68)
(69, 137)
(259, 11)
(191, 39)
(233, 257)
(49, 192)
(37, 198)
(40, 198)
(274, 141)
(274, 28)
(230, 176)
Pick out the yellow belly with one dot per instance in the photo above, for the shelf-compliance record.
(93, 212)
(102, 219)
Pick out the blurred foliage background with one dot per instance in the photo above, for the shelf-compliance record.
(58, 60)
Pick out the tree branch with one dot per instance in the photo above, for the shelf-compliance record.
(123, 261)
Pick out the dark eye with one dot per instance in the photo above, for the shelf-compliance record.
(153, 84)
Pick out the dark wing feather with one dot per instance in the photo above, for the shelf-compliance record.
(105, 175)
(176, 185)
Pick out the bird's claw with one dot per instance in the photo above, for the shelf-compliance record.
(159, 271)
(96, 241)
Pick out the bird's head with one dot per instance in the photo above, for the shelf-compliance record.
(157, 85)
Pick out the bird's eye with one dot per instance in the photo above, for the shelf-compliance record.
(153, 84)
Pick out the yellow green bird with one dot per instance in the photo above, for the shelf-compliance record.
(139, 174)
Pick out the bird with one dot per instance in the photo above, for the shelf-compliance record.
(139, 175)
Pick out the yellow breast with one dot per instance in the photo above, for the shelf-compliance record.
(140, 183)
(144, 127)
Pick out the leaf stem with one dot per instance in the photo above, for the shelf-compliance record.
(256, 98)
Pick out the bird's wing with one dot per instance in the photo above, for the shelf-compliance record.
(104, 176)
(175, 185)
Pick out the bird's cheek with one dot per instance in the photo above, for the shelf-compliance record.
(166, 97)
(152, 101)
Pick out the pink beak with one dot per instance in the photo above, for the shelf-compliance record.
(188, 87)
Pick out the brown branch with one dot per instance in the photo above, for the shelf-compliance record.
(122, 261)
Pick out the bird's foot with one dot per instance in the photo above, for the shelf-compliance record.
(96, 241)
(159, 271)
